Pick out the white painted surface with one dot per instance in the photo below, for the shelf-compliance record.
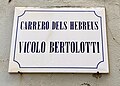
(6, 21)
(77, 43)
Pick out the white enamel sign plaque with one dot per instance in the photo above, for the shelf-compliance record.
(59, 40)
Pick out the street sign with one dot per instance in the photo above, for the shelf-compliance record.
(59, 40)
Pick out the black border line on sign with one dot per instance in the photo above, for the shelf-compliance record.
(58, 11)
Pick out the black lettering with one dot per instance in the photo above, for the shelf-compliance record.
(82, 47)
(96, 25)
(72, 47)
(61, 47)
(43, 45)
(51, 47)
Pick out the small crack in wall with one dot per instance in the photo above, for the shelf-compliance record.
(113, 37)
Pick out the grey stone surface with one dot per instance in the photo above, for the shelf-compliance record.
(113, 35)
